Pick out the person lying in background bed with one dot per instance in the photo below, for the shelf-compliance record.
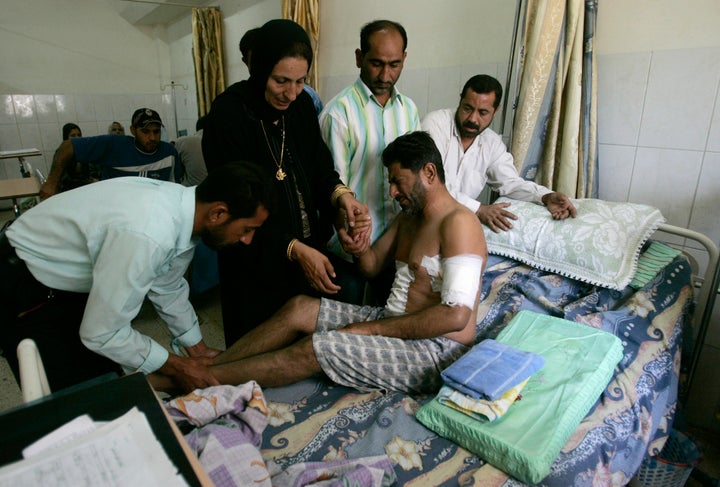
(404, 345)
(474, 155)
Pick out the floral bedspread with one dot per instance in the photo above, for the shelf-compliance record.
(315, 420)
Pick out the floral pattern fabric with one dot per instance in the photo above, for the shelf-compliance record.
(315, 420)
(600, 246)
(227, 422)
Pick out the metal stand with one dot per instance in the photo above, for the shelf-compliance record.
(172, 86)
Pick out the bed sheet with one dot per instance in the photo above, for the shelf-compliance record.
(315, 420)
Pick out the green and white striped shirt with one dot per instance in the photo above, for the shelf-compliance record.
(357, 129)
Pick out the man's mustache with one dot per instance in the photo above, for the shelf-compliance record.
(471, 125)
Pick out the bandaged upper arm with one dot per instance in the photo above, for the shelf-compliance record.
(461, 280)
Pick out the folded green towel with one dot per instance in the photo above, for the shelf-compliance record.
(526, 440)
(651, 262)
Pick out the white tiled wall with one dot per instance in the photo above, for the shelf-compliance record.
(659, 144)
(35, 121)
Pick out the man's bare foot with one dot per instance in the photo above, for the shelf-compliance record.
(163, 383)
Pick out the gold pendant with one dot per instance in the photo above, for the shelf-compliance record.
(280, 174)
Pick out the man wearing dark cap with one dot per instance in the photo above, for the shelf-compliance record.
(143, 154)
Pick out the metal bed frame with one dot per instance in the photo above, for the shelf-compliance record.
(705, 298)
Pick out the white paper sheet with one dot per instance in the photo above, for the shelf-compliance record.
(123, 452)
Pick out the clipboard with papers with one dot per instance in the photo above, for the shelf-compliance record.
(115, 432)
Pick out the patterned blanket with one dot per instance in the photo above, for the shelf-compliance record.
(317, 421)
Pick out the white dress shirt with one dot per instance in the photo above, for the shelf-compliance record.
(486, 161)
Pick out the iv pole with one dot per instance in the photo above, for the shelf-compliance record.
(172, 86)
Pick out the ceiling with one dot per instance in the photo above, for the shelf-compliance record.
(152, 12)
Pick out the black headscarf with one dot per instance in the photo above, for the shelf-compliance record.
(275, 40)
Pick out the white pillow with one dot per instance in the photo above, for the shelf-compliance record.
(600, 246)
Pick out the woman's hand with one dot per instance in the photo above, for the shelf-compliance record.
(356, 214)
(318, 270)
(355, 240)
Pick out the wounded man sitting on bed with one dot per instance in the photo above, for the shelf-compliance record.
(438, 248)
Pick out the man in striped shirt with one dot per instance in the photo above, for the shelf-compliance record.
(361, 120)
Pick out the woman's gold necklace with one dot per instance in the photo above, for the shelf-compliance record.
(280, 174)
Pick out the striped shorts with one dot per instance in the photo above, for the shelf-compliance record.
(377, 362)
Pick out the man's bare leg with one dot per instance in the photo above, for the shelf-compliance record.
(296, 319)
(277, 368)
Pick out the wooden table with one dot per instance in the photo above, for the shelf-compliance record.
(18, 188)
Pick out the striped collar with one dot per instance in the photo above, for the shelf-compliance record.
(366, 95)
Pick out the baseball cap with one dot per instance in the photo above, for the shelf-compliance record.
(144, 117)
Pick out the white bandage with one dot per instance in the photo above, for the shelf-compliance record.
(461, 276)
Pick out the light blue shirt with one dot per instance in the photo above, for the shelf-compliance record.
(317, 102)
(118, 240)
(357, 129)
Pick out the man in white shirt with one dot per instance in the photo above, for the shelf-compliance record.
(189, 148)
(86, 259)
(474, 155)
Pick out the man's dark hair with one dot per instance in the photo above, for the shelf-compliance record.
(377, 25)
(413, 150)
(482, 84)
(243, 186)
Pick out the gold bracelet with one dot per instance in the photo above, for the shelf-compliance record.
(339, 190)
(290, 248)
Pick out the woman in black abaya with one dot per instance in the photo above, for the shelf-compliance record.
(269, 119)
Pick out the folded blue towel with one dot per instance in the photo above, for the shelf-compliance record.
(490, 368)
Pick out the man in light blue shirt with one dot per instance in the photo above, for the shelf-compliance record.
(85, 259)
(361, 120)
